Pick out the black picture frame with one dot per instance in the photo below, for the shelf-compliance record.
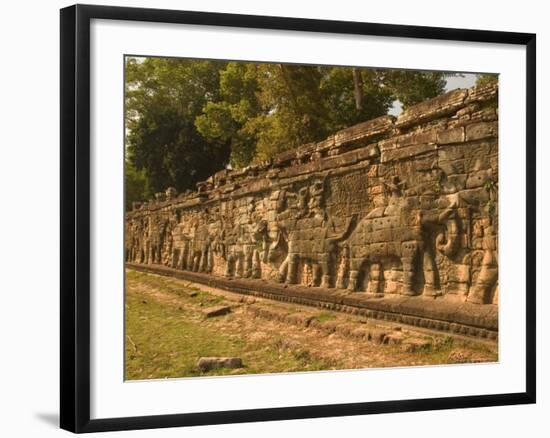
(75, 217)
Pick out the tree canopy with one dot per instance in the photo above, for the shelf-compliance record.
(486, 78)
(187, 119)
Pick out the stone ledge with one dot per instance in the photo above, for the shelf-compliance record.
(437, 314)
(437, 107)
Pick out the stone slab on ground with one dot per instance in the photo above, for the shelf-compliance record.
(413, 345)
(214, 311)
(212, 363)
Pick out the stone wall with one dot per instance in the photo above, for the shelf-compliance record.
(404, 206)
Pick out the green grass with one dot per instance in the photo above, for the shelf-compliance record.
(325, 316)
(165, 341)
(438, 351)
(166, 334)
(206, 299)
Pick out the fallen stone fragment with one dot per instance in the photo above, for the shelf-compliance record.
(212, 312)
(465, 356)
(212, 363)
(412, 345)
(360, 333)
(325, 326)
(394, 338)
(270, 313)
(377, 336)
(299, 319)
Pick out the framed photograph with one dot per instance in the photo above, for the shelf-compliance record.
(268, 218)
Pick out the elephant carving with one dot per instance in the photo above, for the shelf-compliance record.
(195, 253)
(155, 241)
(399, 232)
(246, 246)
(311, 240)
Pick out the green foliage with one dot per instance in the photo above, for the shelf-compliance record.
(163, 98)
(411, 87)
(226, 119)
(135, 185)
(338, 91)
(187, 119)
(490, 185)
(486, 78)
(444, 343)
(325, 316)
(269, 108)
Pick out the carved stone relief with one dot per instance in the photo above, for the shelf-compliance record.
(412, 211)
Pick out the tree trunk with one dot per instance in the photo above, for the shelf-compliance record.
(358, 88)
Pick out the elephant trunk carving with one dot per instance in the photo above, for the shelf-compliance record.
(448, 244)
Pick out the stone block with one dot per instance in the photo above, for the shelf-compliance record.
(377, 336)
(211, 363)
(387, 144)
(478, 179)
(214, 311)
(482, 93)
(370, 152)
(416, 138)
(395, 338)
(440, 106)
(360, 333)
(478, 131)
(414, 345)
(364, 131)
(407, 152)
(455, 135)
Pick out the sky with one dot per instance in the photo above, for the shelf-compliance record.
(468, 80)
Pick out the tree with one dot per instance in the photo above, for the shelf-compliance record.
(163, 98)
(411, 87)
(186, 119)
(225, 119)
(268, 108)
(293, 110)
(340, 87)
(486, 78)
(135, 185)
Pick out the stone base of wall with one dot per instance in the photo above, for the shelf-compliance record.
(442, 313)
